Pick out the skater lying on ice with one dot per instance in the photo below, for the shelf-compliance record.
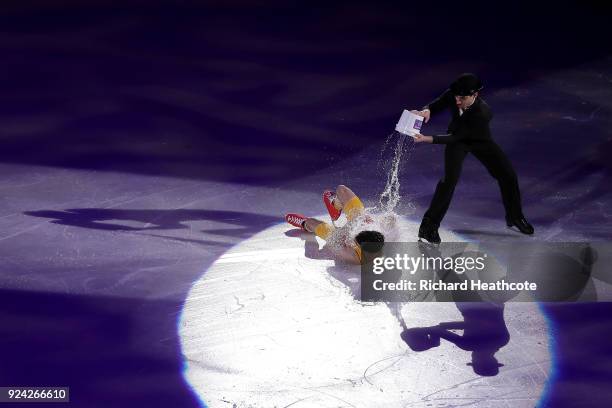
(359, 236)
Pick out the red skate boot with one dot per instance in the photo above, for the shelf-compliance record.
(328, 199)
(297, 220)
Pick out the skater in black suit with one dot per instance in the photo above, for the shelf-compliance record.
(468, 132)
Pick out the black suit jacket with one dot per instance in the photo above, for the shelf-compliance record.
(472, 126)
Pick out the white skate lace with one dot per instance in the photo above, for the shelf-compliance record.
(294, 220)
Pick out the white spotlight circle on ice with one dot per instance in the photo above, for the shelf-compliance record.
(270, 325)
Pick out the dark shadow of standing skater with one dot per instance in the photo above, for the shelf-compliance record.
(484, 333)
(483, 325)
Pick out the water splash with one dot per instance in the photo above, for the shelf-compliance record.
(390, 196)
(382, 217)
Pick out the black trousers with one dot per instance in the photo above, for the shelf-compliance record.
(496, 162)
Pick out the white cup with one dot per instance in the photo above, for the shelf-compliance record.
(409, 124)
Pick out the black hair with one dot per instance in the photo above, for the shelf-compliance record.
(370, 241)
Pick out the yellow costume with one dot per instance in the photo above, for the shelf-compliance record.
(352, 209)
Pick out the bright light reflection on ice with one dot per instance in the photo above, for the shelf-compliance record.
(274, 323)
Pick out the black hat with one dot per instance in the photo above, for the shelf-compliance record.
(466, 84)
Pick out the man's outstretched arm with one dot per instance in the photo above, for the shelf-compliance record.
(440, 139)
(478, 129)
(437, 105)
(442, 102)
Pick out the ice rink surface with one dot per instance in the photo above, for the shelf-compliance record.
(276, 322)
(121, 279)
